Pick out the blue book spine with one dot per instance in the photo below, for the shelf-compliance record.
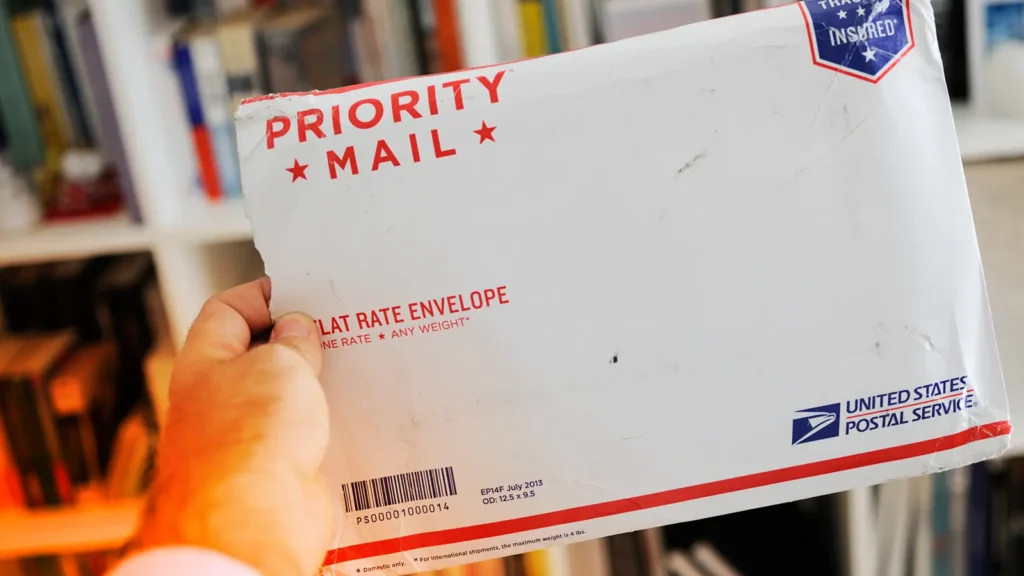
(226, 151)
(201, 138)
(551, 26)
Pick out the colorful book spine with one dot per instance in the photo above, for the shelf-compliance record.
(419, 36)
(590, 557)
(578, 17)
(30, 38)
(240, 58)
(211, 81)
(16, 111)
(515, 565)
(554, 561)
(27, 420)
(447, 35)
(48, 51)
(531, 14)
(200, 135)
(509, 28)
(103, 104)
(68, 14)
(552, 26)
(60, 52)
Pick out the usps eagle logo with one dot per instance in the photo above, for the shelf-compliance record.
(817, 423)
(859, 38)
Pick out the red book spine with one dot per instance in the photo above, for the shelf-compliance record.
(447, 31)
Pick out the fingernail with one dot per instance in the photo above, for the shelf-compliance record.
(292, 326)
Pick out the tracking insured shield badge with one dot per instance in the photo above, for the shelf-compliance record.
(859, 38)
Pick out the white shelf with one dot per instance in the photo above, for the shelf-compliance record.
(75, 239)
(202, 222)
(72, 530)
(985, 138)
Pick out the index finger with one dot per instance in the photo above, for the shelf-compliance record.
(225, 325)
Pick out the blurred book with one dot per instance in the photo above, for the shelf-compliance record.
(710, 561)
(627, 555)
(211, 83)
(17, 113)
(679, 563)
(159, 365)
(578, 23)
(393, 32)
(494, 567)
(627, 18)
(202, 141)
(554, 561)
(32, 32)
(11, 493)
(590, 557)
(951, 31)
(29, 420)
(131, 460)
(67, 14)
(959, 486)
(446, 36)
(175, 119)
(653, 545)
(979, 522)
(515, 565)
(81, 383)
(226, 8)
(238, 38)
(552, 26)
(1013, 543)
(510, 39)
(61, 50)
(304, 49)
(534, 34)
(97, 87)
(124, 313)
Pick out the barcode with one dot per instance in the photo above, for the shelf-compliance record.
(398, 489)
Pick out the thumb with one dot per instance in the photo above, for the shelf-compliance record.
(299, 332)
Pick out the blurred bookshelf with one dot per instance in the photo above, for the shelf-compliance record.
(69, 240)
(123, 81)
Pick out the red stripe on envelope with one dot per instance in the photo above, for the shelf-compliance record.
(675, 496)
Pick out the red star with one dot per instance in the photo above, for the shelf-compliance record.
(485, 132)
(298, 171)
(381, 335)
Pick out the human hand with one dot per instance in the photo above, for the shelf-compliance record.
(238, 463)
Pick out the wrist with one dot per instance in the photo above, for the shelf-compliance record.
(240, 516)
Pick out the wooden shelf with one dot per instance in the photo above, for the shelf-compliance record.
(74, 239)
(72, 530)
